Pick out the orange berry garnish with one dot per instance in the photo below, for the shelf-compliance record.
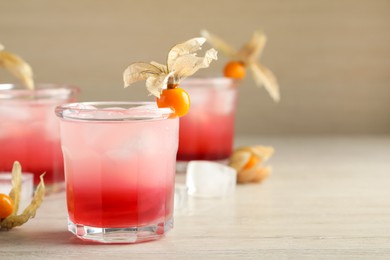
(175, 98)
(6, 206)
(253, 160)
(234, 70)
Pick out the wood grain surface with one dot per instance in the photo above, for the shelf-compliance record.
(328, 198)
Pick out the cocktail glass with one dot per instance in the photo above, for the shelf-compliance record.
(120, 169)
(29, 130)
(207, 131)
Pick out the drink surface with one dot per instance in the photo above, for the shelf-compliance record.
(207, 131)
(119, 174)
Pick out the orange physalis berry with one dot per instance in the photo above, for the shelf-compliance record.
(175, 98)
(253, 160)
(6, 206)
(234, 70)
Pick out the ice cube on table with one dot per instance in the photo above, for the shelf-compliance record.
(27, 187)
(181, 197)
(210, 179)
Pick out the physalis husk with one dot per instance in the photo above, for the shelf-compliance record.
(182, 61)
(17, 67)
(248, 162)
(248, 55)
(14, 219)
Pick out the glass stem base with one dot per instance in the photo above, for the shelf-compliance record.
(121, 235)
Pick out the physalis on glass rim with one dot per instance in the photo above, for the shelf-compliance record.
(244, 58)
(162, 80)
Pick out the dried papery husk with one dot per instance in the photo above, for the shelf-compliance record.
(186, 65)
(15, 220)
(16, 191)
(262, 173)
(239, 159)
(256, 172)
(245, 176)
(189, 47)
(252, 50)
(17, 67)
(182, 62)
(220, 44)
(264, 77)
(263, 152)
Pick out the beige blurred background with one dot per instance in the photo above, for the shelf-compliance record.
(332, 58)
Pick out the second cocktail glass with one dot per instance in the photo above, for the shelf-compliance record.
(120, 169)
(207, 131)
(29, 131)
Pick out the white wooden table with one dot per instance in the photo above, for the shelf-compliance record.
(328, 198)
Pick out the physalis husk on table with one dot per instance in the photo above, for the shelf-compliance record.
(14, 219)
(249, 163)
(248, 56)
(17, 67)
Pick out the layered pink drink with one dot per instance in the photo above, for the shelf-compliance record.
(120, 169)
(207, 131)
(29, 130)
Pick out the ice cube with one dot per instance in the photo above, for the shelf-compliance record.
(27, 187)
(181, 197)
(210, 179)
(72, 111)
(109, 114)
(86, 111)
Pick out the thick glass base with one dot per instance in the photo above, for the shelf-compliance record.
(121, 235)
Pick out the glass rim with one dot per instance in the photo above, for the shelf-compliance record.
(92, 111)
(11, 91)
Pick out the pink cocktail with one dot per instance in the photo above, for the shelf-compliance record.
(207, 131)
(29, 130)
(120, 170)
